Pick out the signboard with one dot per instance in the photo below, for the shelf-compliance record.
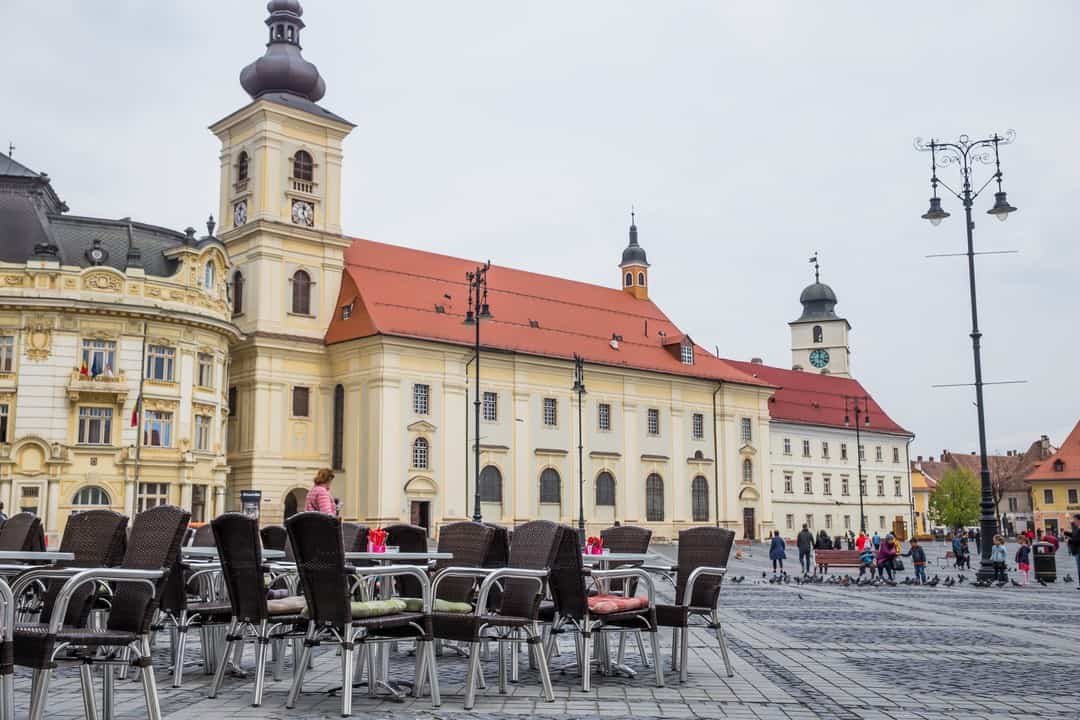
(249, 502)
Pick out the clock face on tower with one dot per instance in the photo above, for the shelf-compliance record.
(303, 213)
(239, 213)
(819, 358)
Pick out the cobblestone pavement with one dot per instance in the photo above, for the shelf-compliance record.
(799, 651)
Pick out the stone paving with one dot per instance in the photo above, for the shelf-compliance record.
(799, 651)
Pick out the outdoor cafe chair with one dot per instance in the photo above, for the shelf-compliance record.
(22, 531)
(274, 537)
(627, 539)
(188, 603)
(152, 549)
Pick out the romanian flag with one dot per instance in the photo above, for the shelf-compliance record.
(135, 413)
(84, 371)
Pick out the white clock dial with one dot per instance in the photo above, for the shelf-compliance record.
(240, 213)
(303, 213)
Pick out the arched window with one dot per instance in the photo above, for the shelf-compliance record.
(490, 485)
(747, 471)
(208, 275)
(92, 495)
(242, 166)
(337, 452)
(699, 496)
(641, 279)
(629, 279)
(550, 487)
(817, 333)
(654, 498)
(301, 293)
(605, 489)
(420, 454)
(302, 166)
(237, 293)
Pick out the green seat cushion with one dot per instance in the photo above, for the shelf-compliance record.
(373, 608)
(441, 606)
(291, 605)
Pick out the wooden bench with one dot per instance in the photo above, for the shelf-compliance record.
(839, 558)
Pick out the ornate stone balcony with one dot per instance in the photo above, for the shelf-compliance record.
(111, 389)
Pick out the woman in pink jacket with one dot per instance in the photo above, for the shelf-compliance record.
(319, 498)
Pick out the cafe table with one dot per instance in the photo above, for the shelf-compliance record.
(604, 560)
(211, 553)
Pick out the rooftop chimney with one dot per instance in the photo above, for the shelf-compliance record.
(756, 361)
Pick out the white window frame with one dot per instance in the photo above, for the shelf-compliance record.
(880, 485)
(7, 353)
(810, 521)
(828, 521)
(490, 409)
(151, 495)
(790, 520)
(746, 430)
(806, 448)
(163, 358)
(697, 426)
(847, 522)
(91, 416)
(826, 484)
(789, 484)
(205, 362)
(551, 412)
(896, 454)
(877, 454)
(421, 453)
(808, 484)
(787, 446)
(898, 487)
(825, 449)
(203, 429)
(603, 417)
(421, 398)
(96, 493)
(843, 451)
(845, 486)
(209, 276)
(162, 422)
(652, 421)
(687, 354)
(106, 349)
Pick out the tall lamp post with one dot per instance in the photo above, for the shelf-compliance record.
(478, 310)
(579, 388)
(964, 153)
(860, 408)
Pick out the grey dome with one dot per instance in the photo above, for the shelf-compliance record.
(634, 254)
(283, 68)
(818, 301)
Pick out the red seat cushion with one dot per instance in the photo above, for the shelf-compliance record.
(607, 604)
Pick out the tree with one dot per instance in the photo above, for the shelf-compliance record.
(955, 502)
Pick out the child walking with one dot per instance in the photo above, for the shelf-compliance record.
(997, 557)
(1023, 559)
(777, 552)
(918, 559)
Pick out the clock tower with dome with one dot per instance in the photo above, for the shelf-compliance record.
(819, 337)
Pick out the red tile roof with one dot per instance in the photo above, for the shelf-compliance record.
(411, 293)
(1068, 455)
(816, 399)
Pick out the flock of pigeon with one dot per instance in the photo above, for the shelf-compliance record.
(784, 578)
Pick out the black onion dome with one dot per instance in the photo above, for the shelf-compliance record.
(818, 301)
(634, 254)
(283, 68)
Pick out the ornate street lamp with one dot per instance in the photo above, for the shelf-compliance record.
(862, 417)
(478, 310)
(964, 154)
(579, 388)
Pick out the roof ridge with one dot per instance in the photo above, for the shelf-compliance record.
(119, 222)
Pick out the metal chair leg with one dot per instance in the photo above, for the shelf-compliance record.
(674, 648)
(178, 658)
(374, 671)
(683, 651)
(7, 687)
(655, 638)
(348, 659)
(723, 644)
(153, 706)
(299, 671)
(542, 662)
(86, 680)
(108, 684)
(278, 646)
(432, 673)
(39, 693)
(219, 672)
(501, 655)
(586, 658)
(419, 671)
(641, 650)
(515, 666)
(470, 675)
(262, 644)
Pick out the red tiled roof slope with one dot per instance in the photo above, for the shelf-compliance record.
(395, 291)
(1068, 454)
(815, 399)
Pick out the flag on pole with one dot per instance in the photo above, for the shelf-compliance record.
(83, 371)
(95, 370)
(135, 412)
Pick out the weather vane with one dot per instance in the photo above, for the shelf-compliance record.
(817, 267)
(10, 149)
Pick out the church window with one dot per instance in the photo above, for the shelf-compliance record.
(491, 407)
(289, 33)
(242, 166)
(301, 397)
(301, 293)
(302, 166)
(747, 430)
(490, 485)
(699, 499)
(603, 411)
(747, 471)
(551, 412)
(817, 334)
(238, 293)
(641, 279)
(421, 395)
(653, 423)
(629, 279)
(697, 426)
(605, 489)
(550, 486)
(420, 454)
(654, 498)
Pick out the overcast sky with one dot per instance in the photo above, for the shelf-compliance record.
(748, 135)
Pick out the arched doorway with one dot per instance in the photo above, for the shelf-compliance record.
(294, 502)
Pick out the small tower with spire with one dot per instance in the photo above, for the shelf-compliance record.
(819, 337)
(634, 268)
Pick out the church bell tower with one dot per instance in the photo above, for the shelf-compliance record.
(819, 337)
(634, 267)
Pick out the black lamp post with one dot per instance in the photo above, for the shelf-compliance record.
(862, 417)
(478, 310)
(579, 388)
(964, 153)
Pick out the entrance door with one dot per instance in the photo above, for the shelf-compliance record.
(420, 514)
(748, 523)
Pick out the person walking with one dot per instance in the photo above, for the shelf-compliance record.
(777, 552)
(997, 557)
(877, 541)
(805, 543)
(965, 553)
(860, 542)
(918, 560)
(886, 554)
(958, 558)
(1074, 544)
(1023, 558)
(319, 498)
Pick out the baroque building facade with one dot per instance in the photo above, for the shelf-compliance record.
(95, 314)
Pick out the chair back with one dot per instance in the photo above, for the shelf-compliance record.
(469, 543)
(625, 539)
(154, 544)
(316, 539)
(499, 549)
(240, 553)
(567, 576)
(203, 537)
(408, 538)
(22, 532)
(98, 538)
(702, 547)
(534, 548)
(354, 537)
(274, 537)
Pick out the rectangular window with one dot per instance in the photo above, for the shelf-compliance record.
(421, 398)
(790, 522)
(491, 406)
(843, 451)
(95, 426)
(551, 412)
(160, 362)
(99, 357)
(29, 496)
(198, 503)
(862, 485)
(346, 311)
(808, 484)
(7, 353)
(688, 354)
(898, 487)
(896, 454)
(1048, 496)
(157, 428)
(787, 446)
(828, 522)
(810, 521)
(877, 454)
(202, 432)
(654, 421)
(603, 416)
(206, 370)
(747, 434)
(862, 452)
(826, 484)
(788, 484)
(301, 398)
(233, 407)
(881, 521)
(847, 522)
(4, 410)
(806, 448)
(1072, 496)
(151, 495)
(880, 486)
(845, 485)
(698, 426)
(825, 450)
(1013, 504)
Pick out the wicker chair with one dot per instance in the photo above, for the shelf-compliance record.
(469, 543)
(265, 621)
(354, 536)
(524, 582)
(320, 562)
(576, 609)
(627, 539)
(203, 537)
(98, 538)
(703, 556)
(274, 537)
(408, 538)
(152, 550)
(22, 531)
(180, 614)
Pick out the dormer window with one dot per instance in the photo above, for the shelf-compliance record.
(346, 311)
(688, 354)
(1059, 465)
(303, 166)
(242, 167)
